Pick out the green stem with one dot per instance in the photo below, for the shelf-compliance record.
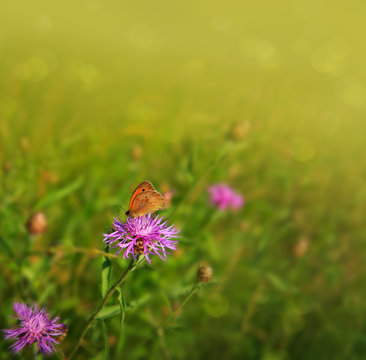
(110, 292)
(194, 289)
(160, 329)
(191, 292)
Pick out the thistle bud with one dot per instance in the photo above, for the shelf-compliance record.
(37, 223)
(204, 274)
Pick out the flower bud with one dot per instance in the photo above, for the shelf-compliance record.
(6, 167)
(37, 223)
(301, 247)
(204, 274)
(112, 340)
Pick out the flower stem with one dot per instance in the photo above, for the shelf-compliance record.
(165, 322)
(194, 289)
(110, 292)
(196, 286)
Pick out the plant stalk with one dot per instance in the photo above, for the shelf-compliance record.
(196, 286)
(110, 292)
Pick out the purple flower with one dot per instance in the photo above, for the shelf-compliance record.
(142, 235)
(223, 196)
(34, 325)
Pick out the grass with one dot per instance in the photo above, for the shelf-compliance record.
(269, 98)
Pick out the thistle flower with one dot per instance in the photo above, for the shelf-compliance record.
(223, 197)
(142, 235)
(35, 325)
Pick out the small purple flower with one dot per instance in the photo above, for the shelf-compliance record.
(142, 235)
(223, 196)
(34, 325)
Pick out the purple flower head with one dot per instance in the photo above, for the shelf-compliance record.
(223, 196)
(34, 325)
(142, 235)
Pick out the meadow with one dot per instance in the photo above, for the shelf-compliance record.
(268, 98)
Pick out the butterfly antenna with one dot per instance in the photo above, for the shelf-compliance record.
(122, 208)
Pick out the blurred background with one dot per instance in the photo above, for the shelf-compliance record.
(267, 97)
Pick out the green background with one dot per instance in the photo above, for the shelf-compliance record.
(268, 97)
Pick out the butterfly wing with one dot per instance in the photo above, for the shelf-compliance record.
(147, 185)
(146, 202)
(144, 186)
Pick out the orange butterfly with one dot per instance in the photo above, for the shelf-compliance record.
(145, 200)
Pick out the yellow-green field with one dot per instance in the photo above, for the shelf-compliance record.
(267, 97)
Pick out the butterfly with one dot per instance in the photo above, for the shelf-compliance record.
(145, 200)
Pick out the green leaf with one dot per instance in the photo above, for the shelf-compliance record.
(106, 343)
(176, 328)
(139, 302)
(140, 260)
(114, 310)
(122, 303)
(106, 273)
(109, 311)
(6, 247)
(58, 194)
(280, 284)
